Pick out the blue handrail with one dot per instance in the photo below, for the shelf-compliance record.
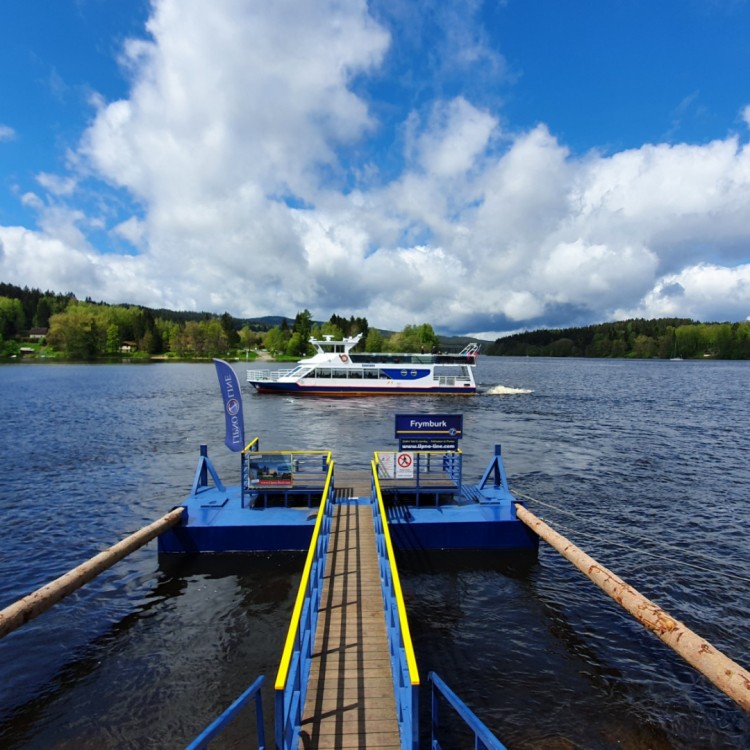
(294, 669)
(403, 661)
(213, 730)
(483, 738)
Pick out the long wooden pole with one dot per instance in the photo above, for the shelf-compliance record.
(42, 599)
(726, 674)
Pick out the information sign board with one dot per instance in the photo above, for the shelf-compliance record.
(428, 445)
(432, 426)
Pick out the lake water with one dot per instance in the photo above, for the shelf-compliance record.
(644, 464)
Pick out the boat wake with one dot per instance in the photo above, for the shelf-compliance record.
(503, 390)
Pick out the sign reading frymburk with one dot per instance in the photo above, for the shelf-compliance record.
(230, 392)
(429, 432)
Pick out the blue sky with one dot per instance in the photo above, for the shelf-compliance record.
(484, 166)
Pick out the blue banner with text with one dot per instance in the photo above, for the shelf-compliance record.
(230, 392)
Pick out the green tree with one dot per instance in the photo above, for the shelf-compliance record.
(296, 346)
(414, 339)
(167, 331)
(43, 312)
(374, 342)
(12, 318)
(275, 340)
(215, 338)
(75, 332)
(303, 327)
(249, 339)
(113, 339)
(644, 347)
(227, 324)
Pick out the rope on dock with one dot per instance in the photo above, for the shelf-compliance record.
(39, 601)
(727, 675)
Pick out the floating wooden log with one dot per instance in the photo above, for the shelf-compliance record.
(726, 674)
(42, 599)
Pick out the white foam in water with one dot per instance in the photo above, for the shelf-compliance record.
(502, 390)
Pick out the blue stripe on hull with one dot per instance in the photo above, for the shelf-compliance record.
(294, 388)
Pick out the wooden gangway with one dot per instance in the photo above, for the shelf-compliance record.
(350, 701)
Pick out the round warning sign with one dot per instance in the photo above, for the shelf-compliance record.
(405, 465)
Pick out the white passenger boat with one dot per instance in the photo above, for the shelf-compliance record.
(336, 370)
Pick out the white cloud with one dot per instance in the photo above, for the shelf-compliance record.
(704, 292)
(235, 163)
(132, 229)
(55, 184)
(6, 133)
(457, 135)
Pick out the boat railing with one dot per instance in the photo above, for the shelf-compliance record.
(483, 738)
(268, 374)
(457, 358)
(216, 727)
(420, 474)
(294, 669)
(289, 475)
(403, 662)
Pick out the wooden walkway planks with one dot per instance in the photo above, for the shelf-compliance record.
(350, 702)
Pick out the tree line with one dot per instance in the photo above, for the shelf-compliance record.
(88, 330)
(293, 341)
(664, 338)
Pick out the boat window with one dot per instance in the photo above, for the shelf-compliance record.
(355, 373)
(370, 373)
(339, 373)
(323, 372)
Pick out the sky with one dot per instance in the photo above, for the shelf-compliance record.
(486, 167)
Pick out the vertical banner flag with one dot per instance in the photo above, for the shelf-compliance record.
(230, 391)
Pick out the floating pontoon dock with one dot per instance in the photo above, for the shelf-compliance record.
(348, 677)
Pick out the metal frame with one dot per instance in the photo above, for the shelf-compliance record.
(294, 669)
(483, 738)
(403, 661)
(216, 727)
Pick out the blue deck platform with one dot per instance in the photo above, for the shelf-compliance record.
(275, 506)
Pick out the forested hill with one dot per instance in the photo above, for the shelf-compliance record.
(98, 328)
(664, 337)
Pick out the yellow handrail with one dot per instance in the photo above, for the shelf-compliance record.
(402, 618)
(286, 655)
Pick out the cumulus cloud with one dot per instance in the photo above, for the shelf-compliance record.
(704, 292)
(238, 149)
(6, 133)
(55, 184)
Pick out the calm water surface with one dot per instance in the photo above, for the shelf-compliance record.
(643, 464)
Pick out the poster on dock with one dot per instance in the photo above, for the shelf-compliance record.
(269, 471)
(386, 465)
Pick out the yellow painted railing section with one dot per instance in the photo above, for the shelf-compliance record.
(286, 656)
(397, 591)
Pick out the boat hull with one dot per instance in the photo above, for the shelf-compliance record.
(347, 389)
